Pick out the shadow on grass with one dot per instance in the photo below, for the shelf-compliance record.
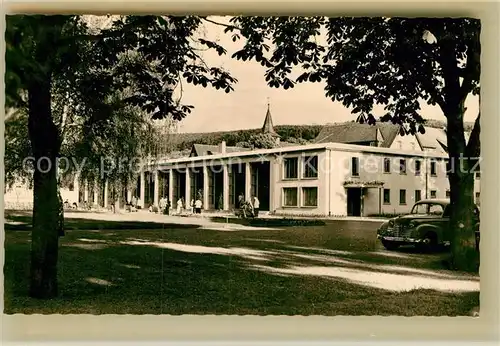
(22, 222)
(188, 271)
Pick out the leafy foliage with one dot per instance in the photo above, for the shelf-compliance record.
(17, 147)
(394, 62)
(107, 83)
(367, 61)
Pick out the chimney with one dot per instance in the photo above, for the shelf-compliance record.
(222, 147)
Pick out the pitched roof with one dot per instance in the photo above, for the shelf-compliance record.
(205, 149)
(353, 133)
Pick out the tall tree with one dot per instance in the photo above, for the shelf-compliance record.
(394, 62)
(41, 50)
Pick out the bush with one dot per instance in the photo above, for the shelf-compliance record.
(386, 215)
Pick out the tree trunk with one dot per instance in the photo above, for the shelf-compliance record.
(45, 144)
(461, 178)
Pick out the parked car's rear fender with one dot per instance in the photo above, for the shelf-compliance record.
(424, 230)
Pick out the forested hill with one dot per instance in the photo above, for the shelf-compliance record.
(288, 133)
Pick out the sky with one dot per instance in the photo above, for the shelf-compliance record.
(246, 106)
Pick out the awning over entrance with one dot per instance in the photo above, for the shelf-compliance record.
(363, 184)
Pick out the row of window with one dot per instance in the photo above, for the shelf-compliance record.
(387, 166)
(402, 196)
(417, 196)
(309, 165)
(309, 197)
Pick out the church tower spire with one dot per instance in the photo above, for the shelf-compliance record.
(268, 126)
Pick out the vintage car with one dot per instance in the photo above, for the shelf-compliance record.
(427, 226)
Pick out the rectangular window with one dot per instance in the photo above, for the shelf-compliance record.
(478, 175)
(433, 169)
(291, 167)
(418, 167)
(310, 196)
(387, 165)
(402, 197)
(478, 195)
(433, 193)
(71, 186)
(355, 167)
(311, 167)
(418, 195)
(402, 166)
(447, 193)
(387, 196)
(290, 196)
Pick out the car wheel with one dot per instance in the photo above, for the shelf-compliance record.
(390, 245)
(429, 243)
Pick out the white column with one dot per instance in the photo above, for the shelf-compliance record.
(96, 193)
(141, 190)
(205, 188)
(171, 186)
(129, 195)
(188, 187)
(76, 186)
(272, 185)
(248, 181)
(156, 192)
(106, 188)
(225, 189)
(86, 192)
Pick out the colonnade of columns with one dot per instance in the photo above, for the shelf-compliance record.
(173, 191)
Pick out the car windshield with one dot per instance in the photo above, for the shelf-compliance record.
(428, 209)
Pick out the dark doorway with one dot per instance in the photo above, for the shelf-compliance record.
(237, 183)
(163, 180)
(196, 183)
(179, 185)
(261, 183)
(215, 188)
(354, 201)
(149, 188)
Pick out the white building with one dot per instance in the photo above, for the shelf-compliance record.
(351, 169)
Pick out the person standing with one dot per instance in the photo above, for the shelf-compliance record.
(241, 204)
(256, 205)
(167, 206)
(221, 203)
(197, 205)
(179, 206)
(161, 205)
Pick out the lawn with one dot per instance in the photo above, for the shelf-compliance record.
(108, 267)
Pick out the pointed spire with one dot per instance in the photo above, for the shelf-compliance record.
(268, 122)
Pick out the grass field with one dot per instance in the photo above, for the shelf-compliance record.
(108, 267)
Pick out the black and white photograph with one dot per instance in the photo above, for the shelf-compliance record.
(242, 165)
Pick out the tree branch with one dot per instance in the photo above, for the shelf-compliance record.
(468, 75)
(473, 148)
(220, 24)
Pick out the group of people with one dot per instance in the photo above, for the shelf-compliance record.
(164, 205)
(180, 206)
(248, 208)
